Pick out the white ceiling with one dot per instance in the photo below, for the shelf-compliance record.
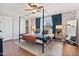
(51, 8)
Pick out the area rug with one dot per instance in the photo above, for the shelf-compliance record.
(54, 48)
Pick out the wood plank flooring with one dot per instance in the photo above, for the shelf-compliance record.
(11, 49)
(69, 50)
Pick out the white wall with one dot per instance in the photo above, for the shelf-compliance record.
(15, 22)
(22, 25)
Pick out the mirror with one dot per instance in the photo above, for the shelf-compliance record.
(71, 29)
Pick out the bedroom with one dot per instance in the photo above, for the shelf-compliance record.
(14, 17)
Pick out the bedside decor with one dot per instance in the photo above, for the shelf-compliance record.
(58, 34)
(58, 28)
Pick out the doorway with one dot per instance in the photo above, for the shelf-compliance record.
(27, 26)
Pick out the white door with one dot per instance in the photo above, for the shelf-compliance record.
(6, 27)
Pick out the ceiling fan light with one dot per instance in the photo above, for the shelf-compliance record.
(34, 10)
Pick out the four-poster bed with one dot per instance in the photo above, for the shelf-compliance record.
(43, 38)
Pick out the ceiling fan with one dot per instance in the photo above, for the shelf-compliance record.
(34, 7)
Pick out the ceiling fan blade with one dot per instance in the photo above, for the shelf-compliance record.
(40, 7)
(30, 4)
(28, 9)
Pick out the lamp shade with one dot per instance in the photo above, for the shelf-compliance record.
(33, 28)
(58, 26)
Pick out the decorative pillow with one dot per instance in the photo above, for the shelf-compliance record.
(45, 32)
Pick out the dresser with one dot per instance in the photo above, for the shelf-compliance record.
(1, 47)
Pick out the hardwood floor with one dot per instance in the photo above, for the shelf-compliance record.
(69, 50)
(11, 49)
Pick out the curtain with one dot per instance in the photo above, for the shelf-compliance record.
(38, 25)
(56, 20)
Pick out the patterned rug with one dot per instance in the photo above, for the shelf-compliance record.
(53, 48)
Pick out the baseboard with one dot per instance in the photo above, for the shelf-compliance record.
(7, 40)
(10, 40)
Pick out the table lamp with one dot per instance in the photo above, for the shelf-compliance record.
(58, 28)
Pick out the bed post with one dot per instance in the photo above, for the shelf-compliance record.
(43, 31)
(19, 27)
